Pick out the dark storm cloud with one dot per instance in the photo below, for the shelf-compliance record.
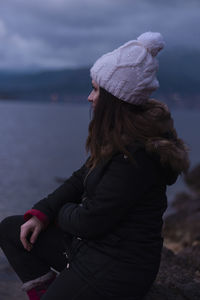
(58, 33)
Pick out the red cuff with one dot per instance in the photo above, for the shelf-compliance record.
(37, 213)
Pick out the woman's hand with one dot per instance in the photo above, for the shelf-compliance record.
(31, 230)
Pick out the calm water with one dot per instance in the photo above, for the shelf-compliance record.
(42, 143)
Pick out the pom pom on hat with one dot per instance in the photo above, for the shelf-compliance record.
(129, 72)
(153, 41)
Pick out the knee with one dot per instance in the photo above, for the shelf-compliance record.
(9, 226)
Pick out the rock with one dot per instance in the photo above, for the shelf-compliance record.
(192, 179)
(178, 277)
(10, 285)
(11, 291)
(182, 228)
(179, 273)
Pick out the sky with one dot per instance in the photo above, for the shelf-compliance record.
(53, 34)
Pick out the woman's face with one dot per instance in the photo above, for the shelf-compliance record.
(94, 95)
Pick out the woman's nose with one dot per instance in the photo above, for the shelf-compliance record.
(90, 97)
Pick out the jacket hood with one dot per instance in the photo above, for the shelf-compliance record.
(170, 175)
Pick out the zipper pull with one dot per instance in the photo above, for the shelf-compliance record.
(65, 253)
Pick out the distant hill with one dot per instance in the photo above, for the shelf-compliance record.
(45, 85)
(178, 76)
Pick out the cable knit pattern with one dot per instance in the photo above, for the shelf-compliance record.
(129, 72)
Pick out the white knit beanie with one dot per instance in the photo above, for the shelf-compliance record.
(129, 72)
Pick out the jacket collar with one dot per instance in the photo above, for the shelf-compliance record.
(100, 167)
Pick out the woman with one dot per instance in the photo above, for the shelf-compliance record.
(102, 229)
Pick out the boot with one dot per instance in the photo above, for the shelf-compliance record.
(37, 287)
(35, 294)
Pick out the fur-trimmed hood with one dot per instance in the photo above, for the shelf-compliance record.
(169, 173)
(170, 156)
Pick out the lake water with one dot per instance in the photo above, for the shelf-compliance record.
(42, 144)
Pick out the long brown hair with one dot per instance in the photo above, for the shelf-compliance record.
(117, 124)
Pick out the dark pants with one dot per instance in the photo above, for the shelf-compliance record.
(47, 252)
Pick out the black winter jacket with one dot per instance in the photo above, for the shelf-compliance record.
(114, 214)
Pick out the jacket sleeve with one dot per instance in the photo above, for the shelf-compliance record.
(34, 212)
(119, 189)
(70, 191)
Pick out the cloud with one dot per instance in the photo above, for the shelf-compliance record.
(2, 29)
(60, 33)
